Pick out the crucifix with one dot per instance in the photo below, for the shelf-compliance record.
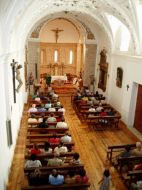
(16, 69)
(57, 30)
(13, 65)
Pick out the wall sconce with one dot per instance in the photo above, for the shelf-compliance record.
(127, 86)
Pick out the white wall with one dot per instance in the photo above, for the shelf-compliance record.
(121, 98)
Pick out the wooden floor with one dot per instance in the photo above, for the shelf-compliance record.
(91, 145)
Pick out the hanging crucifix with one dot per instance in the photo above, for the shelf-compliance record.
(16, 69)
(57, 30)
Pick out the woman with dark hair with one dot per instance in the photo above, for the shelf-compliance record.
(105, 181)
(82, 177)
(33, 162)
(47, 148)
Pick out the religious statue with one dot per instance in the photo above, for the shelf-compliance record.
(30, 79)
(103, 56)
(18, 77)
(119, 77)
(57, 30)
(48, 79)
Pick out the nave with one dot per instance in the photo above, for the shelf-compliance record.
(92, 146)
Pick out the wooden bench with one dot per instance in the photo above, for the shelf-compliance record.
(129, 161)
(75, 186)
(53, 145)
(51, 155)
(57, 113)
(109, 121)
(47, 130)
(65, 167)
(134, 176)
(117, 148)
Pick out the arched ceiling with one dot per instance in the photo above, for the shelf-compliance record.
(25, 15)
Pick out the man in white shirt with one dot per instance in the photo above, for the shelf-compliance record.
(51, 119)
(62, 124)
(52, 109)
(33, 162)
(66, 138)
(61, 149)
(61, 109)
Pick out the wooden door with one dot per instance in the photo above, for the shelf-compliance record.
(138, 112)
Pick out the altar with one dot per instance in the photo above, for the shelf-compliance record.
(58, 78)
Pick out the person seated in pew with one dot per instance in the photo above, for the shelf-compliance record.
(82, 177)
(66, 138)
(61, 148)
(62, 124)
(55, 161)
(47, 148)
(61, 109)
(52, 109)
(33, 162)
(111, 112)
(42, 109)
(35, 149)
(48, 105)
(57, 104)
(92, 109)
(90, 101)
(137, 185)
(51, 119)
(54, 140)
(71, 177)
(55, 178)
(99, 108)
(43, 124)
(138, 150)
(37, 99)
(138, 166)
(125, 154)
(33, 108)
(76, 159)
(32, 119)
(103, 113)
(40, 119)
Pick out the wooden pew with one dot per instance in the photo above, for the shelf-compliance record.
(129, 161)
(134, 176)
(57, 113)
(53, 145)
(117, 148)
(110, 121)
(44, 136)
(65, 167)
(75, 186)
(46, 130)
(51, 155)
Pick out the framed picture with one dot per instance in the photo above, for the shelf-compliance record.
(9, 132)
(119, 77)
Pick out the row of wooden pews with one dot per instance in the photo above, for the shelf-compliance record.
(94, 119)
(40, 135)
(129, 175)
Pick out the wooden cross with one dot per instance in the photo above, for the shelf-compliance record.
(57, 30)
(13, 65)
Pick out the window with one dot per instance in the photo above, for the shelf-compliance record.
(55, 56)
(71, 57)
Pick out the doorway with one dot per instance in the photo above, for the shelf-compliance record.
(138, 111)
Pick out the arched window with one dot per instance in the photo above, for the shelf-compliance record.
(71, 57)
(55, 56)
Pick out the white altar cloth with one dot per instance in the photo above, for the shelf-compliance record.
(64, 78)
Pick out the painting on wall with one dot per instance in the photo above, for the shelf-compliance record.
(119, 77)
(9, 133)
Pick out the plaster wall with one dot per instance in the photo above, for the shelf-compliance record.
(122, 98)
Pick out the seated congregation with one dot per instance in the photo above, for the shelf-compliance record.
(50, 159)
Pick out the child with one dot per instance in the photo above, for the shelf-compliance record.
(105, 181)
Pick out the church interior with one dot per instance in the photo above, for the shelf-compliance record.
(80, 49)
